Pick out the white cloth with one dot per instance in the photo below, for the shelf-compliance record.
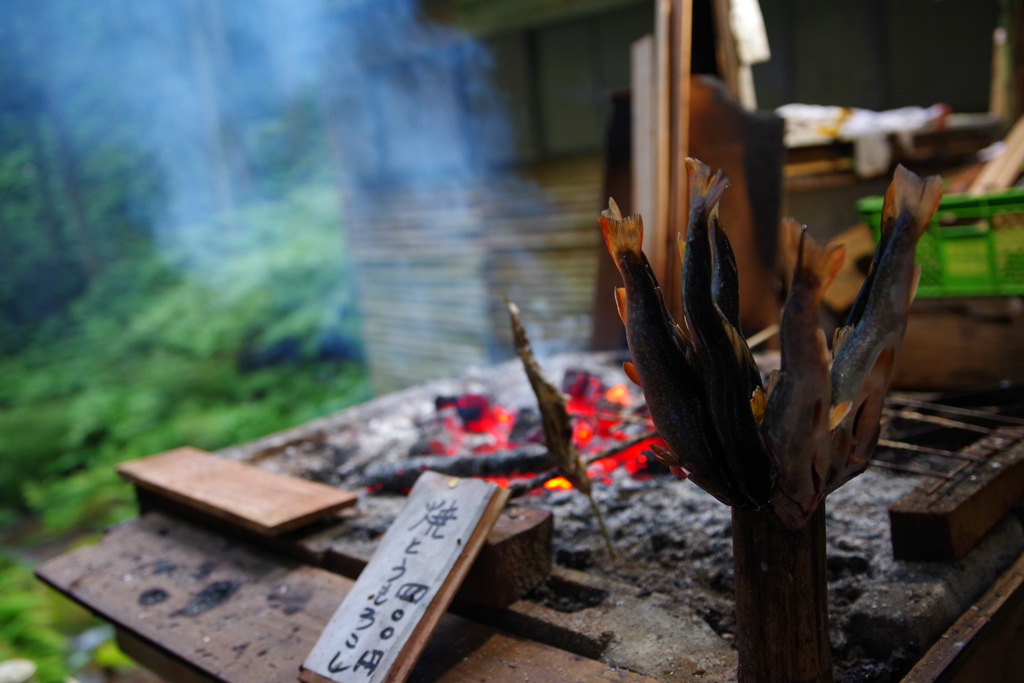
(869, 131)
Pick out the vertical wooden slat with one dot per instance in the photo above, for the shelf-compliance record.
(674, 40)
(662, 24)
(644, 110)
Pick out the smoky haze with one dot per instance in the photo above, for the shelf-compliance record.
(226, 128)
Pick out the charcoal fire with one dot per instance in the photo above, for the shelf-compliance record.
(472, 435)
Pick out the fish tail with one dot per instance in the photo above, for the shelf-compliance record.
(621, 235)
(824, 260)
(910, 193)
(803, 252)
(706, 189)
(792, 237)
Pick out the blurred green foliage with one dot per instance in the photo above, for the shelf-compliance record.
(173, 266)
(35, 622)
(158, 354)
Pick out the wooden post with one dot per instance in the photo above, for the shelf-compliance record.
(781, 599)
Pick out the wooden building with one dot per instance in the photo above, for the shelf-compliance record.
(511, 102)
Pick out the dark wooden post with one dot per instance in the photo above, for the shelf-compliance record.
(781, 599)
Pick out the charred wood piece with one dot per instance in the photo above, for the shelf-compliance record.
(399, 477)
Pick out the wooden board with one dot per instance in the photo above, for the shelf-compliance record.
(984, 643)
(1000, 173)
(944, 523)
(226, 611)
(961, 343)
(860, 245)
(252, 498)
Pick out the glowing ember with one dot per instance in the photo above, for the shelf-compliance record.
(582, 433)
(473, 423)
(618, 394)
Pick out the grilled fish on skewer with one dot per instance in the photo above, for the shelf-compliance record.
(799, 416)
(556, 422)
(865, 349)
(727, 369)
(661, 365)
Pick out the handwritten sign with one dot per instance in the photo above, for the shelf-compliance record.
(384, 622)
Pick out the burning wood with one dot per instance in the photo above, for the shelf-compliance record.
(472, 435)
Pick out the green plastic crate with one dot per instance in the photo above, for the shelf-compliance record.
(974, 246)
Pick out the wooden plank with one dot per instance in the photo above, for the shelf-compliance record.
(1000, 173)
(945, 336)
(943, 523)
(679, 69)
(228, 612)
(860, 245)
(260, 501)
(984, 643)
(158, 660)
(644, 134)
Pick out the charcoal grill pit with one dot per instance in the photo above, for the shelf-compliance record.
(673, 539)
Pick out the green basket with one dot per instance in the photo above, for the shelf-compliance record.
(974, 246)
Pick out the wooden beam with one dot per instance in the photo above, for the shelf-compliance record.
(726, 55)
(984, 643)
(943, 523)
(644, 105)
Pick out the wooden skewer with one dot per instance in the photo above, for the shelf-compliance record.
(903, 446)
(952, 475)
(763, 336)
(619, 447)
(940, 421)
(910, 470)
(955, 410)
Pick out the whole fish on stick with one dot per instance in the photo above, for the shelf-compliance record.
(816, 425)
(729, 377)
(865, 348)
(556, 422)
(799, 416)
(664, 366)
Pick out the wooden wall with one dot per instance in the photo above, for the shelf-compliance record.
(433, 269)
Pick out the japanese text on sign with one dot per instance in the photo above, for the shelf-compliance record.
(397, 587)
